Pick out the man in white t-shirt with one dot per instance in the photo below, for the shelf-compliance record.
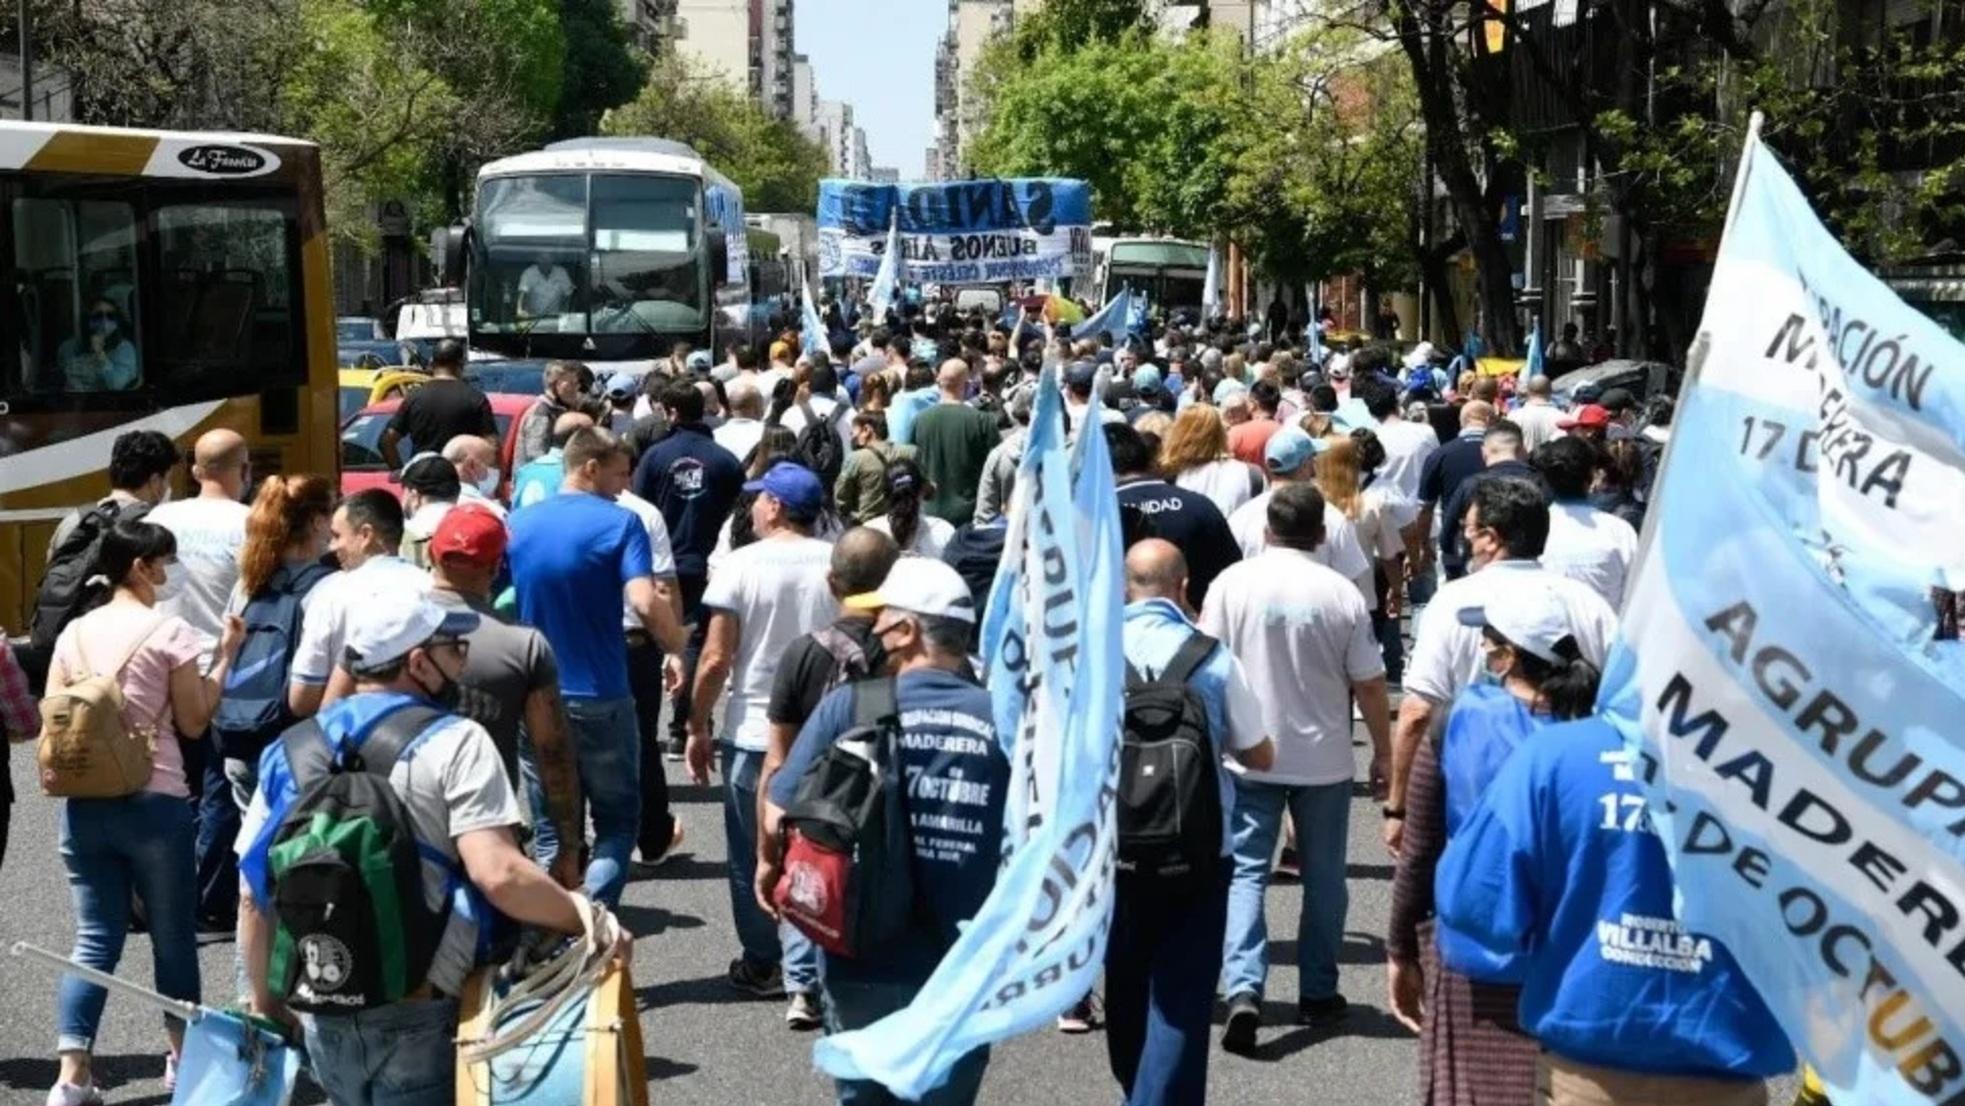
(740, 432)
(1407, 445)
(825, 399)
(1538, 415)
(1291, 458)
(760, 599)
(544, 289)
(210, 529)
(1304, 637)
(1595, 547)
(1506, 527)
(661, 830)
(366, 531)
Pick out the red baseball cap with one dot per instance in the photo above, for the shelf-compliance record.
(1590, 416)
(471, 534)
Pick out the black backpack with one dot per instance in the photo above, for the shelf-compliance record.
(65, 595)
(353, 931)
(849, 857)
(819, 447)
(253, 709)
(1169, 783)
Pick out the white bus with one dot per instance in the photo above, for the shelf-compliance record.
(1170, 271)
(605, 250)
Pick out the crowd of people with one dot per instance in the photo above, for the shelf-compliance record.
(714, 561)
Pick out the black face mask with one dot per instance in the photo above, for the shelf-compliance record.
(448, 694)
(876, 655)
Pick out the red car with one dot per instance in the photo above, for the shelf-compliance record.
(362, 466)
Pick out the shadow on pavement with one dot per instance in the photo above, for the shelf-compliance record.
(660, 1068)
(709, 990)
(647, 921)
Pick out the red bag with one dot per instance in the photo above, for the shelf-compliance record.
(849, 860)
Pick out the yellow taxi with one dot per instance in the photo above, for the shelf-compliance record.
(362, 387)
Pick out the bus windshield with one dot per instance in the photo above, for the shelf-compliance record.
(576, 253)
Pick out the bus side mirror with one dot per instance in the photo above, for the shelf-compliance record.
(447, 254)
(719, 258)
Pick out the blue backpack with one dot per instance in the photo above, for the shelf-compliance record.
(252, 712)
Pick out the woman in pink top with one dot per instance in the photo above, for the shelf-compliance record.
(140, 842)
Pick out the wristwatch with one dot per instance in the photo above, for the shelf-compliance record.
(1392, 813)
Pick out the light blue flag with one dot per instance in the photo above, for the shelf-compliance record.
(1778, 670)
(1055, 671)
(1113, 318)
(1137, 312)
(886, 279)
(813, 334)
(1533, 365)
(1211, 285)
(1313, 330)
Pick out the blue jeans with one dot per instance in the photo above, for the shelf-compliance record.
(1161, 964)
(1323, 824)
(856, 1004)
(218, 832)
(402, 1054)
(1392, 645)
(140, 842)
(609, 751)
(763, 940)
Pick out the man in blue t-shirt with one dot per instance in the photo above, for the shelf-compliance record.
(573, 557)
(1559, 875)
(923, 623)
(694, 482)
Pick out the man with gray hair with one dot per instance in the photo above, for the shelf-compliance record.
(476, 460)
(957, 775)
(562, 394)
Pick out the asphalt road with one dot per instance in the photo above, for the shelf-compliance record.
(708, 1044)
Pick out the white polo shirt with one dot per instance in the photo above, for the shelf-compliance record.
(661, 554)
(1591, 546)
(1446, 656)
(324, 630)
(1407, 445)
(1303, 635)
(1340, 550)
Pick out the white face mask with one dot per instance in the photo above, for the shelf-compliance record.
(488, 483)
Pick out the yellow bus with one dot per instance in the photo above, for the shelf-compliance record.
(205, 258)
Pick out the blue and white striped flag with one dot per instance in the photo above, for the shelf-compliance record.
(1211, 284)
(813, 335)
(1779, 670)
(1313, 331)
(1054, 666)
(886, 279)
(1533, 364)
(1113, 318)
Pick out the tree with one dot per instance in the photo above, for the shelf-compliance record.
(1327, 149)
(1146, 122)
(609, 71)
(777, 167)
(1067, 25)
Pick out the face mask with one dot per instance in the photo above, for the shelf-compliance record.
(448, 693)
(102, 328)
(876, 654)
(488, 483)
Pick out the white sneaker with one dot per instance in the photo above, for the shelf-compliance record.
(804, 1013)
(71, 1094)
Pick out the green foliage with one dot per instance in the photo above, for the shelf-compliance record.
(1067, 25)
(777, 167)
(1147, 122)
(1327, 154)
(604, 70)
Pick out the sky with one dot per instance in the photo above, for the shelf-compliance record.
(879, 56)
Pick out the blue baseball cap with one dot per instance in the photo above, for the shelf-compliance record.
(1228, 387)
(623, 384)
(1289, 449)
(793, 485)
(1146, 378)
(1081, 374)
(698, 360)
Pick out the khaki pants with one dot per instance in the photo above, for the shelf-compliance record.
(1563, 1082)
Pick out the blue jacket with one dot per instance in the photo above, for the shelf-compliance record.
(1560, 870)
(694, 482)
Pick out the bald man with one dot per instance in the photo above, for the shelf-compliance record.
(952, 441)
(1165, 950)
(741, 431)
(476, 461)
(210, 529)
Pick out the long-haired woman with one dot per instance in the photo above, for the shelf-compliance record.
(918, 534)
(1472, 1048)
(141, 842)
(1347, 475)
(1194, 455)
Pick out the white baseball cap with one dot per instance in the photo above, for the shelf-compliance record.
(1527, 614)
(384, 628)
(921, 586)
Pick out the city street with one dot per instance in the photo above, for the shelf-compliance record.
(705, 1043)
